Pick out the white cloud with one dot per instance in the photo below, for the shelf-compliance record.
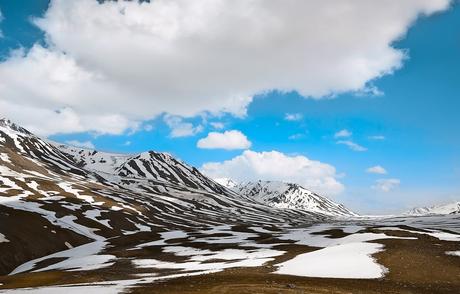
(352, 145)
(43, 121)
(376, 170)
(386, 185)
(137, 60)
(377, 137)
(85, 144)
(343, 134)
(217, 125)
(179, 128)
(274, 165)
(127, 143)
(293, 116)
(229, 140)
(148, 127)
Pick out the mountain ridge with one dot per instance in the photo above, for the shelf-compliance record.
(440, 209)
(67, 205)
(288, 195)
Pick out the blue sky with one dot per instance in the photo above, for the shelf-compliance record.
(415, 115)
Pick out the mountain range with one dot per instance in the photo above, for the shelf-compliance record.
(443, 209)
(118, 223)
(287, 196)
(54, 197)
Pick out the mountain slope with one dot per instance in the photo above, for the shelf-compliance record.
(53, 198)
(81, 220)
(288, 195)
(147, 165)
(451, 208)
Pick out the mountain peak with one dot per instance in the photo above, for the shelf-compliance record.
(450, 208)
(9, 125)
(287, 195)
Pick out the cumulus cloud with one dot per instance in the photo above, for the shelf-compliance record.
(85, 144)
(228, 140)
(343, 134)
(386, 185)
(137, 60)
(180, 128)
(274, 165)
(43, 121)
(352, 145)
(293, 116)
(376, 170)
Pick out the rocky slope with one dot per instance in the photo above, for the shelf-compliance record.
(74, 221)
(288, 195)
(147, 165)
(55, 197)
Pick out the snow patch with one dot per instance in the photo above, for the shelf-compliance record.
(3, 239)
(347, 261)
(81, 258)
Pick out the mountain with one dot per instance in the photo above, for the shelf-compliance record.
(288, 195)
(147, 165)
(54, 198)
(451, 208)
(75, 220)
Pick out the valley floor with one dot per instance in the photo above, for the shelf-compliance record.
(399, 255)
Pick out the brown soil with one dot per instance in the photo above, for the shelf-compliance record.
(30, 236)
(415, 266)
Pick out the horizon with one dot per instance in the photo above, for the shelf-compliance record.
(367, 117)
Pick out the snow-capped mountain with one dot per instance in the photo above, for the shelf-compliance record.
(288, 195)
(55, 197)
(451, 208)
(146, 165)
(226, 182)
(101, 222)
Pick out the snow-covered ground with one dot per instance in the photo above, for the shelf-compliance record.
(159, 218)
(3, 239)
(82, 258)
(352, 261)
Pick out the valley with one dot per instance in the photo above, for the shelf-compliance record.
(73, 219)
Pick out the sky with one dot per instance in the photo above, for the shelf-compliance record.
(357, 100)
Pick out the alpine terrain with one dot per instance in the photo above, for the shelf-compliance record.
(149, 223)
(450, 208)
(288, 195)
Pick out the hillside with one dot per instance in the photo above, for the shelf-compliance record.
(288, 196)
